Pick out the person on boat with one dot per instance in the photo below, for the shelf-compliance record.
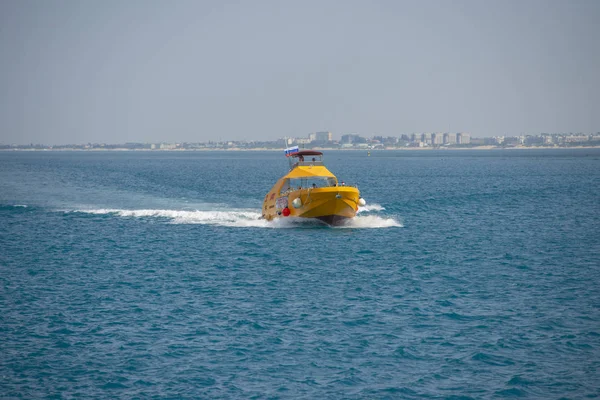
(314, 185)
(301, 158)
(343, 183)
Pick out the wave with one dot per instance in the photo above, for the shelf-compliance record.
(14, 207)
(371, 207)
(241, 218)
(372, 221)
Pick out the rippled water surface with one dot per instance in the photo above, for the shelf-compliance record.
(469, 274)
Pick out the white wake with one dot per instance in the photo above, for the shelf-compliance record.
(371, 207)
(236, 218)
(241, 218)
(371, 221)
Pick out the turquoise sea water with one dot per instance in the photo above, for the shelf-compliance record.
(470, 274)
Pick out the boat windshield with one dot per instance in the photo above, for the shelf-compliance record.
(308, 182)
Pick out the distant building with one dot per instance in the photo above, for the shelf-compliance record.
(531, 140)
(390, 141)
(449, 138)
(426, 137)
(497, 140)
(511, 141)
(349, 139)
(437, 139)
(352, 139)
(360, 140)
(463, 138)
(576, 138)
(320, 137)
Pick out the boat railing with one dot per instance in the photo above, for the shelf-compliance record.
(308, 163)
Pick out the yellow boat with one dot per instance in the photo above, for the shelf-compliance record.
(310, 190)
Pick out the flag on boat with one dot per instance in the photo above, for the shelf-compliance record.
(291, 150)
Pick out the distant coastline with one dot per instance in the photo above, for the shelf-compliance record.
(233, 149)
(353, 142)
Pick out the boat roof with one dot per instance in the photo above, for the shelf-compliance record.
(307, 172)
(306, 153)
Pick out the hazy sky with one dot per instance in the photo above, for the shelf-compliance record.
(123, 70)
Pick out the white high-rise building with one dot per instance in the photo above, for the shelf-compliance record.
(463, 138)
(449, 138)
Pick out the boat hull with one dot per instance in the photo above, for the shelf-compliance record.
(332, 205)
(334, 220)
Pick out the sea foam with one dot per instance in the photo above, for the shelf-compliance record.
(242, 218)
(371, 207)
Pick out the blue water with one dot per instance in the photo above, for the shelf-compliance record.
(470, 274)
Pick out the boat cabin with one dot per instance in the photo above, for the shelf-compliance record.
(306, 182)
(307, 171)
